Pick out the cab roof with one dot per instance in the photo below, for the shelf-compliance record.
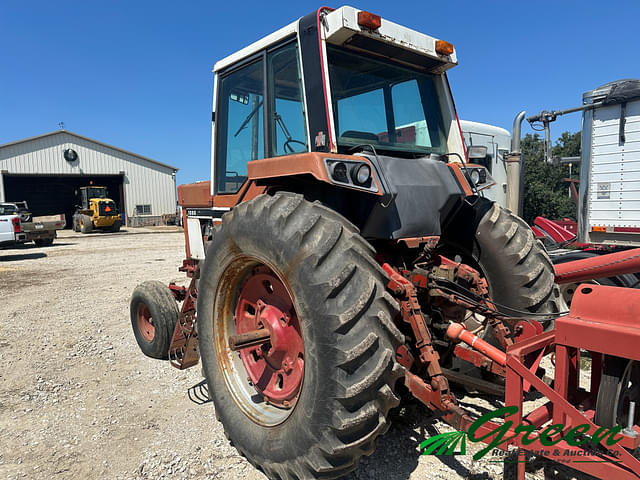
(341, 27)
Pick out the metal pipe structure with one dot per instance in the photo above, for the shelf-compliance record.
(547, 117)
(551, 116)
(514, 164)
(629, 430)
(602, 266)
(457, 332)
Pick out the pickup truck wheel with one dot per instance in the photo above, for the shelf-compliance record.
(154, 314)
(86, 225)
(311, 399)
(43, 242)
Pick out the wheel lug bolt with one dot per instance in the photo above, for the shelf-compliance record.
(287, 365)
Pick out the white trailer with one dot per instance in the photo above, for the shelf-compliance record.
(609, 201)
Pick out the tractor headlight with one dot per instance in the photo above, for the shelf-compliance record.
(478, 177)
(474, 175)
(351, 173)
(361, 174)
(339, 172)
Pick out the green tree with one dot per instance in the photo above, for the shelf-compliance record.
(545, 192)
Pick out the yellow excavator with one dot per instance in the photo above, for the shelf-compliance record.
(96, 211)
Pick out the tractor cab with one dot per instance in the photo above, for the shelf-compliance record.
(343, 98)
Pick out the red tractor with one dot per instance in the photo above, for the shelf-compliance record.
(342, 235)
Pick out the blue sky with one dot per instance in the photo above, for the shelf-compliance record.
(137, 74)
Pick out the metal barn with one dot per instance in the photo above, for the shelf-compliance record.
(47, 171)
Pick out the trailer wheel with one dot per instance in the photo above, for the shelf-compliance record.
(86, 224)
(619, 385)
(310, 401)
(516, 266)
(154, 314)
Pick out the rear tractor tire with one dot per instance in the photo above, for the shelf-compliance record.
(312, 399)
(154, 314)
(116, 226)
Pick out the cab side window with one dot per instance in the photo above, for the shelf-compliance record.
(240, 127)
(288, 130)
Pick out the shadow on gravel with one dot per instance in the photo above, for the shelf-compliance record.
(24, 256)
(199, 393)
(30, 245)
(398, 452)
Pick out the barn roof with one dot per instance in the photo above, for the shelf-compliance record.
(57, 132)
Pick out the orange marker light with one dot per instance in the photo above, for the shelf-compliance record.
(444, 48)
(598, 229)
(369, 20)
(107, 208)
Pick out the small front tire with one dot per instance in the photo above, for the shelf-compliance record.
(154, 314)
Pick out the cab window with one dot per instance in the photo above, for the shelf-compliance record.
(287, 127)
(240, 125)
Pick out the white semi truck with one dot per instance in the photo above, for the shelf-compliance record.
(497, 141)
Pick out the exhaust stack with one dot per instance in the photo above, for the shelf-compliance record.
(514, 164)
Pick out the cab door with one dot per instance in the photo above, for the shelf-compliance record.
(260, 114)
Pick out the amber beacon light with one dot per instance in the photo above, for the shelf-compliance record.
(369, 20)
(444, 48)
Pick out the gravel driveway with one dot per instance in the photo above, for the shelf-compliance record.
(78, 399)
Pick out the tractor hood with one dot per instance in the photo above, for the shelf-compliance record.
(422, 194)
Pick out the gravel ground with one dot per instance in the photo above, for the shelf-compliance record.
(79, 400)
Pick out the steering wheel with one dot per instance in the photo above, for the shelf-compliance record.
(288, 148)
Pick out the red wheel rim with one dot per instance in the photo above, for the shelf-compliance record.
(145, 322)
(276, 368)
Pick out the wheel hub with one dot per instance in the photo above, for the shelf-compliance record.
(275, 368)
(145, 322)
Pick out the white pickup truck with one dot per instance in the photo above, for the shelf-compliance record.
(40, 230)
(10, 227)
